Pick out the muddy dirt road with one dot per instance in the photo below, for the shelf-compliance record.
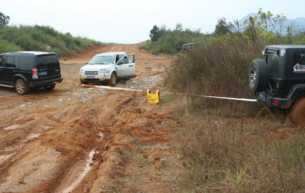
(84, 139)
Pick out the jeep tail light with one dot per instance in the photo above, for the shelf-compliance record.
(34, 73)
(278, 84)
(276, 102)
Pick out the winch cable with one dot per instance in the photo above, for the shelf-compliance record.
(183, 94)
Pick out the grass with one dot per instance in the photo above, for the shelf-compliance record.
(225, 151)
(231, 146)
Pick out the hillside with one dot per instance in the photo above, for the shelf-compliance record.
(41, 38)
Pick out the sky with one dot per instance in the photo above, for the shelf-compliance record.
(130, 21)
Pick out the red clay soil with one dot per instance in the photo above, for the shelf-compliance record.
(84, 139)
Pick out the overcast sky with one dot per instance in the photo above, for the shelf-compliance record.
(130, 21)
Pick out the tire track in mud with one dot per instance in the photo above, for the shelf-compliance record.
(46, 139)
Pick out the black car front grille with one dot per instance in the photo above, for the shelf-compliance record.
(91, 72)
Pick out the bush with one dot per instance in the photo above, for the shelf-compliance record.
(37, 38)
(171, 41)
(218, 69)
(5, 46)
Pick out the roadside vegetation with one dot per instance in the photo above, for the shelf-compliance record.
(41, 38)
(232, 146)
(167, 41)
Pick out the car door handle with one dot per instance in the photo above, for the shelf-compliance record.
(130, 66)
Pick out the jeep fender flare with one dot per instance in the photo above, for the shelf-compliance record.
(17, 76)
(294, 91)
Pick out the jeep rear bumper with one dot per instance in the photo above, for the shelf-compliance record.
(282, 103)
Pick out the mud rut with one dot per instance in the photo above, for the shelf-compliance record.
(83, 139)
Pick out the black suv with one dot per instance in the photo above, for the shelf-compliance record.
(190, 46)
(32, 69)
(279, 78)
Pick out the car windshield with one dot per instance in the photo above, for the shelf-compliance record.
(101, 60)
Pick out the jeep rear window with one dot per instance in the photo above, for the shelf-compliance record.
(272, 61)
(102, 60)
(47, 60)
(299, 58)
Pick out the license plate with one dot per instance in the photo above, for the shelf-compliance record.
(262, 96)
(43, 73)
(90, 76)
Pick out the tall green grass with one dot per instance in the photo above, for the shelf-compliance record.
(37, 38)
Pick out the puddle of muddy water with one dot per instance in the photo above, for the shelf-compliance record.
(82, 175)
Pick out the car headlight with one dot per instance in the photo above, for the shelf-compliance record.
(104, 70)
(81, 71)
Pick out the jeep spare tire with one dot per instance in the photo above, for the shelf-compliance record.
(258, 75)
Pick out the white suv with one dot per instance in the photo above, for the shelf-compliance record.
(108, 67)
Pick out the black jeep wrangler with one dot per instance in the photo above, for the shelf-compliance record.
(279, 79)
(31, 69)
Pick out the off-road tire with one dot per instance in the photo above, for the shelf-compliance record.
(50, 87)
(297, 112)
(21, 87)
(258, 75)
(83, 82)
(113, 79)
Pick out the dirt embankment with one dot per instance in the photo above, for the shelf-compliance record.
(80, 139)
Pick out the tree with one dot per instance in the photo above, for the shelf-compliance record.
(4, 20)
(155, 34)
(265, 24)
(222, 27)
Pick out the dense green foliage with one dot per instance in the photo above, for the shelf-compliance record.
(155, 34)
(37, 38)
(4, 19)
(171, 41)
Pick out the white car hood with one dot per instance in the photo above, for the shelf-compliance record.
(97, 67)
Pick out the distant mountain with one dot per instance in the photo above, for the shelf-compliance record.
(297, 24)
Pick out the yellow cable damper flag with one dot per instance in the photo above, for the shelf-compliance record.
(153, 98)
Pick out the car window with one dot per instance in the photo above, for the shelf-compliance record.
(272, 61)
(25, 63)
(299, 58)
(10, 61)
(299, 62)
(47, 60)
(101, 60)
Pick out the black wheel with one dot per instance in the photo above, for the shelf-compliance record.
(50, 87)
(258, 75)
(21, 87)
(113, 79)
(83, 82)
